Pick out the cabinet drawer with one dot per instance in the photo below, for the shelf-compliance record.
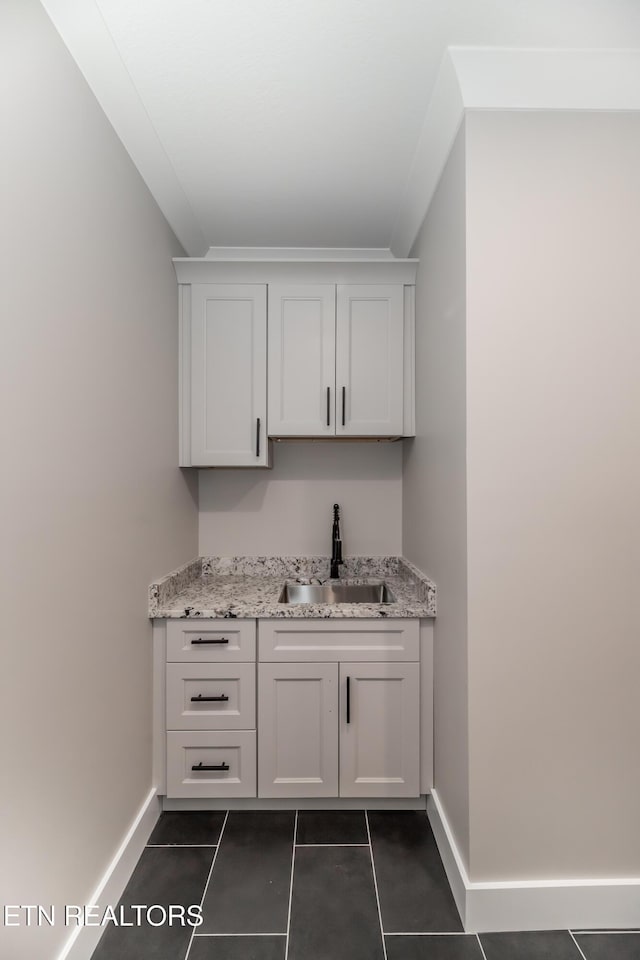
(321, 640)
(209, 640)
(232, 751)
(216, 696)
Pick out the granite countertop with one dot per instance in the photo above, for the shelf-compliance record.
(249, 587)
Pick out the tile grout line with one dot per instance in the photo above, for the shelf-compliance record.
(293, 862)
(332, 844)
(375, 885)
(477, 936)
(204, 936)
(430, 933)
(179, 846)
(578, 947)
(206, 886)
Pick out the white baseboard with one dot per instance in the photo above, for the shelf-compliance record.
(533, 904)
(451, 859)
(295, 803)
(84, 939)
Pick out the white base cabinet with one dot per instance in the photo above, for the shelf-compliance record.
(379, 730)
(281, 709)
(298, 723)
(211, 763)
(338, 726)
(210, 708)
(338, 729)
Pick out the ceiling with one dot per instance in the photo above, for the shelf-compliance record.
(296, 122)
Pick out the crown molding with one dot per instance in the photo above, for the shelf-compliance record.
(445, 112)
(298, 253)
(493, 78)
(469, 78)
(296, 270)
(488, 78)
(86, 36)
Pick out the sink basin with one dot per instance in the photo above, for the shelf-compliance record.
(336, 593)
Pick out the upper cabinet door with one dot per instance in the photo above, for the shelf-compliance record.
(228, 375)
(302, 344)
(369, 360)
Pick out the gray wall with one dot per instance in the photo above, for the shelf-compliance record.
(553, 445)
(434, 483)
(288, 510)
(94, 505)
(520, 494)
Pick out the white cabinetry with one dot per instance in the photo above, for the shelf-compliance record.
(211, 709)
(336, 360)
(298, 723)
(379, 730)
(224, 375)
(302, 360)
(339, 708)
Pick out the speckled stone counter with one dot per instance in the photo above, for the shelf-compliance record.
(249, 587)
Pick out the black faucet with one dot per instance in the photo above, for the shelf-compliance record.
(336, 544)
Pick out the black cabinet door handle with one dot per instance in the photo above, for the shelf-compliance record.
(210, 766)
(213, 640)
(328, 406)
(348, 699)
(200, 699)
(257, 436)
(344, 405)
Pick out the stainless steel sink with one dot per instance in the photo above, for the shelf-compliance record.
(336, 593)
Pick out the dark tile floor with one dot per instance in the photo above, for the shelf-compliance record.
(311, 885)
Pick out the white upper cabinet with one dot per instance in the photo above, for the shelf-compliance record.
(302, 360)
(369, 360)
(224, 375)
(336, 360)
(335, 347)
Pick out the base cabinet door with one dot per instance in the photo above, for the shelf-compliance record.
(298, 730)
(379, 730)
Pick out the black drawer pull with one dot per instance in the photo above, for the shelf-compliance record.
(213, 640)
(210, 766)
(328, 406)
(348, 699)
(200, 699)
(257, 436)
(344, 406)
